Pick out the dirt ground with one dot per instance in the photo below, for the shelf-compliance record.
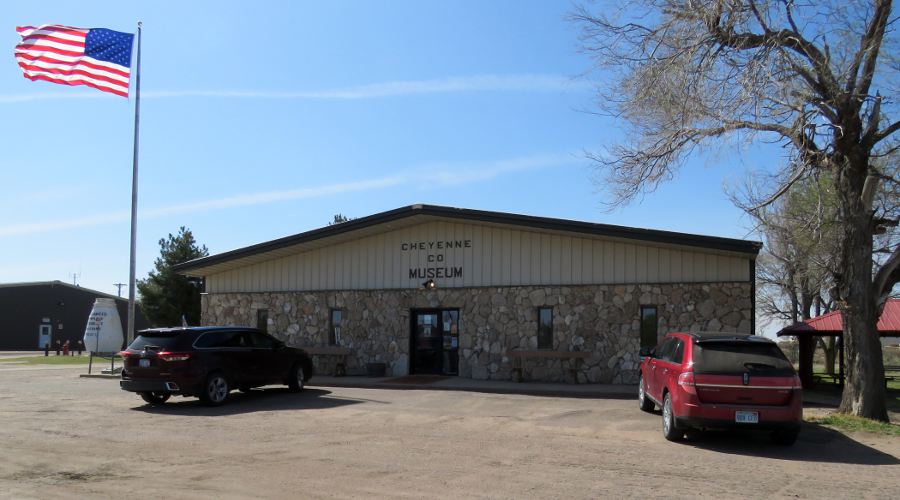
(62, 436)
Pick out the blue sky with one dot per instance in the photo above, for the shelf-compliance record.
(264, 120)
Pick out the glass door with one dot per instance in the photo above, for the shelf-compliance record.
(450, 331)
(426, 343)
(435, 342)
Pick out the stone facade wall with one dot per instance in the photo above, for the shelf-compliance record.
(602, 319)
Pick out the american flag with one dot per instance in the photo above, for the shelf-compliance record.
(96, 57)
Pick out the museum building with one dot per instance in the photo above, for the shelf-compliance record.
(428, 289)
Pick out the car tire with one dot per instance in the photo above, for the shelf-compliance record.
(643, 401)
(155, 398)
(215, 391)
(785, 438)
(297, 380)
(670, 430)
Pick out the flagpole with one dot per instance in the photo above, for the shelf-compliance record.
(134, 188)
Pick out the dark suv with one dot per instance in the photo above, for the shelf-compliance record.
(715, 380)
(208, 362)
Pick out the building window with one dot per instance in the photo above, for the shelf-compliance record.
(649, 326)
(334, 332)
(262, 320)
(545, 328)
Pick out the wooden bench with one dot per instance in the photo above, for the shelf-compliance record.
(520, 357)
(891, 372)
(111, 356)
(341, 353)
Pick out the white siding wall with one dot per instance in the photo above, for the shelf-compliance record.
(488, 256)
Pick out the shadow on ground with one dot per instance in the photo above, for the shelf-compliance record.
(265, 399)
(815, 444)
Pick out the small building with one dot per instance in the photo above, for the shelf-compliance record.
(437, 290)
(44, 312)
(831, 324)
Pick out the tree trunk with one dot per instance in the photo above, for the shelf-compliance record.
(864, 393)
(828, 347)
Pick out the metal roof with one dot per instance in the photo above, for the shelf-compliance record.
(832, 323)
(417, 214)
(63, 284)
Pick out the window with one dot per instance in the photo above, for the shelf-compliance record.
(334, 332)
(215, 339)
(545, 328)
(678, 354)
(262, 341)
(665, 348)
(649, 326)
(262, 320)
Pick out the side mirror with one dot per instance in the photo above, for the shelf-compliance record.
(647, 351)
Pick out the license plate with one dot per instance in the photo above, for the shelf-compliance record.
(746, 417)
(144, 363)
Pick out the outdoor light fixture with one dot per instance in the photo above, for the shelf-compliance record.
(429, 285)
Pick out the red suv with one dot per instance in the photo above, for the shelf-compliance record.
(716, 380)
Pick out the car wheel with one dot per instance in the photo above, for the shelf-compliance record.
(297, 379)
(215, 392)
(669, 430)
(785, 438)
(643, 401)
(155, 398)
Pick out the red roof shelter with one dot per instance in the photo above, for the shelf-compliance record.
(832, 325)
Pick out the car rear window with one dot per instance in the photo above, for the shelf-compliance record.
(740, 357)
(175, 340)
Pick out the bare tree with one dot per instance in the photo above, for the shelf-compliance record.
(793, 271)
(810, 75)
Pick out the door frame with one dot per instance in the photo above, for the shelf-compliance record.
(413, 316)
(438, 312)
(41, 336)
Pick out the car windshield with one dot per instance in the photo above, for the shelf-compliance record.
(739, 357)
(156, 340)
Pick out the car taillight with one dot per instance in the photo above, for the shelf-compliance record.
(174, 356)
(686, 381)
(124, 354)
(797, 384)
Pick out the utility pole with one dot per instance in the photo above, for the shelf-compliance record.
(119, 286)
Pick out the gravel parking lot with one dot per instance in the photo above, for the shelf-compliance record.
(63, 436)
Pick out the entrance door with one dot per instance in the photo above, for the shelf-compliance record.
(44, 334)
(435, 342)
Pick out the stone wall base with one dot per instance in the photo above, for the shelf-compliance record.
(601, 319)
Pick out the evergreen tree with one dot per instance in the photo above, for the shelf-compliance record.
(166, 295)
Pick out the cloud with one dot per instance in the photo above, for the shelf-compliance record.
(475, 83)
(50, 96)
(439, 174)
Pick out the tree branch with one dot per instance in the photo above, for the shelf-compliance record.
(886, 277)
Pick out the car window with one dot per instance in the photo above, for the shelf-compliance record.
(161, 340)
(678, 352)
(220, 339)
(739, 357)
(664, 349)
(262, 341)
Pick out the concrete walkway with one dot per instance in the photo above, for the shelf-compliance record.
(613, 391)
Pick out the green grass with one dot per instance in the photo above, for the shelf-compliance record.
(850, 423)
(827, 387)
(58, 360)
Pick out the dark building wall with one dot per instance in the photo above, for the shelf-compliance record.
(24, 307)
